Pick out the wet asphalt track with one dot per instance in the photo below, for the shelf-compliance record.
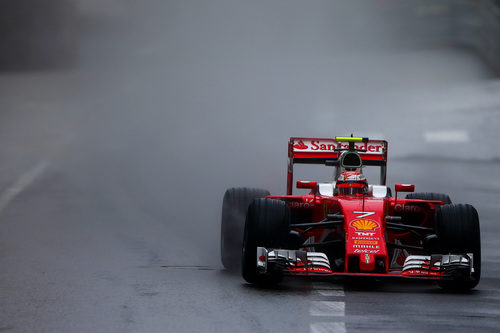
(111, 182)
(82, 256)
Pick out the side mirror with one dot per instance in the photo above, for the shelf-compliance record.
(304, 184)
(404, 188)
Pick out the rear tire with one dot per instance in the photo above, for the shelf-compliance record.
(234, 211)
(267, 225)
(458, 232)
(430, 196)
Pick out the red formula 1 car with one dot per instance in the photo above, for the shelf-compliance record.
(347, 227)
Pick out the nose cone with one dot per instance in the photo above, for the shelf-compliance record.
(366, 249)
(366, 262)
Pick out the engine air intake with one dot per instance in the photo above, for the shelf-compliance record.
(350, 160)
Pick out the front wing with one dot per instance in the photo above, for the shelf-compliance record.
(303, 263)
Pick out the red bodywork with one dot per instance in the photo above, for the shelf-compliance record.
(363, 240)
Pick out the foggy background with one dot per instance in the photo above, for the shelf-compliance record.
(145, 112)
(179, 100)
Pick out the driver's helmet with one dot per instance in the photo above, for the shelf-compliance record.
(351, 183)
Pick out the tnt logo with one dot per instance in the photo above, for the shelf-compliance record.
(366, 234)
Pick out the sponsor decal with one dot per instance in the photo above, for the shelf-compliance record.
(316, 145)
(364, 224)
(366, 242)
(300, 145)
(366, 238)
(308, 203)
(366, 251)
(367, 258)
(365, 234)
(407, 208)
(364, 246)
(331, 145)
(414, 271)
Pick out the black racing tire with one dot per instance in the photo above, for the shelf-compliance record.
(458, 232)
(430, 196)
(234, 210)
(266, 225)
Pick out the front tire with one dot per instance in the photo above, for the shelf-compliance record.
(458, 232)
(234, 211)
(266, 225)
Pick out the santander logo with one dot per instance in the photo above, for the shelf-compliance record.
(329, 145)
(300, 145)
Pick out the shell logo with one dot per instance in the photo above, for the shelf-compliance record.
(364, 224)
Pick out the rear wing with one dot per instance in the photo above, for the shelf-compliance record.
(323, 151)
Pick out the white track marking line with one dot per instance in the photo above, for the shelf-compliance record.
(327, 328)
(327, 308)
(22, 183)
(447, 136)
(330, 293)
(323, 311)
(326, 286)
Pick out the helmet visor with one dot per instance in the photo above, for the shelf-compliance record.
(351, 190)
